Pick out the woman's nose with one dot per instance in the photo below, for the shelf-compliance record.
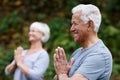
(30, 32)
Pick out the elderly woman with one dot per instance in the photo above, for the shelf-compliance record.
(32, 63)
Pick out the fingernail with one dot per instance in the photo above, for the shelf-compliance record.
(58, 46)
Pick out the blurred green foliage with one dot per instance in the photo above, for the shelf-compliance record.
(17, 15)
(10, 20)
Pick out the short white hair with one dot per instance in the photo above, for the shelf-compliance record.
(89, 12)
(43, 28)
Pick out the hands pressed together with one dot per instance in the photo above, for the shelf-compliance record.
(60, 62)
(18, 59)
(18, 55)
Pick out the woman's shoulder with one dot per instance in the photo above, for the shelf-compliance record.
(43, 52)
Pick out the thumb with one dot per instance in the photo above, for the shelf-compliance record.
(71, 61)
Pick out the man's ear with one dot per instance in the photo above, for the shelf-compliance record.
(90, 25)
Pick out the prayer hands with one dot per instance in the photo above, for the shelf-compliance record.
(18, 55)
(60, 62)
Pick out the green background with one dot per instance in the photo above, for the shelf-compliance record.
(17, 15)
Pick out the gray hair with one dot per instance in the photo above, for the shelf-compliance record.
(43, 28)
(89, 12)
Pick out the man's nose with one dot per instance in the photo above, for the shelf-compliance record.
(72, 28)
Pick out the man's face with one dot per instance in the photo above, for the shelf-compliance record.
(79, 28)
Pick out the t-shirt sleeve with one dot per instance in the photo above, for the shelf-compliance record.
(39, 67)
(92, 67)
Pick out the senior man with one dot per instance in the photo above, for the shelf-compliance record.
(92, 61)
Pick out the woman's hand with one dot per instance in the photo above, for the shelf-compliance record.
(18, 55)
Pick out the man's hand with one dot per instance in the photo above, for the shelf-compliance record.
(60, 62)
(55, 77)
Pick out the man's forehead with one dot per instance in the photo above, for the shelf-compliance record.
(76, 14)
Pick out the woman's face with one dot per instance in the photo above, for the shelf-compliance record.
(35, 35)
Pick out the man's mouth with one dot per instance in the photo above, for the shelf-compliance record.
(75, 33)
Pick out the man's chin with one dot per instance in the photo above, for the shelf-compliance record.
(76, 40)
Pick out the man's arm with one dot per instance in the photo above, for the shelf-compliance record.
(62, 67)
(74, 77)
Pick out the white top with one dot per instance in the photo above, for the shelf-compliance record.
(38, 64)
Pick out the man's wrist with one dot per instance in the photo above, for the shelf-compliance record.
(62, 76)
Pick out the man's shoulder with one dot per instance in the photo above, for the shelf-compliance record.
(76, 52)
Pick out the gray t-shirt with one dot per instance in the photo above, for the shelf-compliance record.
(38, 64)
(95, 63)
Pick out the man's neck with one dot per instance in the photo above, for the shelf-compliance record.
(90, 42)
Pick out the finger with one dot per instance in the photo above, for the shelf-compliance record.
(62, 60)
(19, 50)
(57, 55)
(15, 55)
(14, 52)
(71, 61)
(63, 54)
(54, 58)
(56, 50)
(55, 61)
(60, 53)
